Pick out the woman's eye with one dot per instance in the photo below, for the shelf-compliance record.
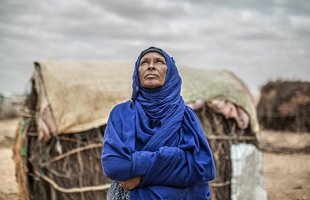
(143, 63)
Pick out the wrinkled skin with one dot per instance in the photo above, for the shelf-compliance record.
(152, 70)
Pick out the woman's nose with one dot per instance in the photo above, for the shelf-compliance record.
(151, 66)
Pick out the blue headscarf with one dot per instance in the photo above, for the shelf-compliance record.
(158, 137)
(164, 106)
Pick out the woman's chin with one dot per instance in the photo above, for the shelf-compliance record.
(152, 84)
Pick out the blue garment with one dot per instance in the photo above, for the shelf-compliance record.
(155, 135)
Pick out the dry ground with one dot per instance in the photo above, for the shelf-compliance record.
(8, 185)
(287, 176)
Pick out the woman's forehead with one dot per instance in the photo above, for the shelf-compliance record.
(152, 55)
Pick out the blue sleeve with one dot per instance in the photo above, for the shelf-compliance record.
(115, 158)
(116, 151)
(119, 160)
(172, 166)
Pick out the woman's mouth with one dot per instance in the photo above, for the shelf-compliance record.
(150, 76)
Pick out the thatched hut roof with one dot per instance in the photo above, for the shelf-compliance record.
(81, 94)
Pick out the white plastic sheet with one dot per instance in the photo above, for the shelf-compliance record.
(247, 182)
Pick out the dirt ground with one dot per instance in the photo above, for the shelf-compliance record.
(8, 185)
(287, 175)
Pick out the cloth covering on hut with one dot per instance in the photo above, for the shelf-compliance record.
(77, 96)
(158, 137)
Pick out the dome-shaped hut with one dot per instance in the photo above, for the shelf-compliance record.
(59, 138)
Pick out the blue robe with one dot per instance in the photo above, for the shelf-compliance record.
(156, 136)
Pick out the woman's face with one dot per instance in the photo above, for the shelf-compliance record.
(152, 70)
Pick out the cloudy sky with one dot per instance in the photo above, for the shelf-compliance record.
(257, 39)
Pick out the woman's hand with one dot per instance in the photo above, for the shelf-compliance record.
(131, 184)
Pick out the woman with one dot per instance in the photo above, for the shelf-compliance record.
(154, 146)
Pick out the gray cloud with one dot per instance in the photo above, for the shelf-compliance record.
(142, 10)
(258, 40)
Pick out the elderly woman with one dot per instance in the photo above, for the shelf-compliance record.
(154, 146)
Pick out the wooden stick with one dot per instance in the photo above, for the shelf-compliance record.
(228, 137)
(73, 190)
(219, 184)
(79, 149)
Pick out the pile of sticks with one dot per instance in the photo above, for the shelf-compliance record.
(285, 106)
(66, 167)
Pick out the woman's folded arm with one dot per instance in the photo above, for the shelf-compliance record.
(168, 166)
(172, 166)
(116, 156)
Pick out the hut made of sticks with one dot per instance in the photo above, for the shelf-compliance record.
(285, 106)
(59, 138)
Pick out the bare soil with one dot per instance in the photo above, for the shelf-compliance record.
(8, 185)
(287, 175)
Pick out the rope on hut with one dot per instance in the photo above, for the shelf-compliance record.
(72, 190)
(220, 184)
(228, 137)
(79, 149)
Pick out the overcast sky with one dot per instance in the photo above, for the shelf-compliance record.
(257, 39)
